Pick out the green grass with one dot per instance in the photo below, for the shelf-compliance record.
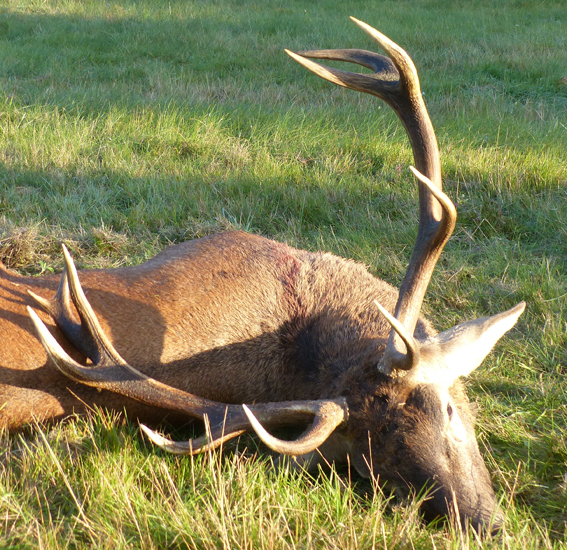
(93, 484)
(125, 126)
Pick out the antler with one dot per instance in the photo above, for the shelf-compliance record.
(396, 82)
(224, 421)
(59, 308)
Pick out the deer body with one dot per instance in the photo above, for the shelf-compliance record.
(234, 317)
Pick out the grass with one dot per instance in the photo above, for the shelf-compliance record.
(93, 484)
(125, 126)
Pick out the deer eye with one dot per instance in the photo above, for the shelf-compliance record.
(449, 411)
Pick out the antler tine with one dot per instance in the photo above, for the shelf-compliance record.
(412, 355)
(59, 308)
(378, 63)
(402, 61)
(330, 416)
(112, 372)
(124, 379)
(396, 81)
(391, 73)
(383, 83)
(212, 440)
(105, 350)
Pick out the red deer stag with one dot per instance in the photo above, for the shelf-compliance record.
(299, 336)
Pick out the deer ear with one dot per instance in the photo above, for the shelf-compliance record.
(461, 349)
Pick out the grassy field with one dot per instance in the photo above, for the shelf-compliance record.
(128, 125)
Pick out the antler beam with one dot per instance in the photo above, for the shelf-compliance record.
(395, 81)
